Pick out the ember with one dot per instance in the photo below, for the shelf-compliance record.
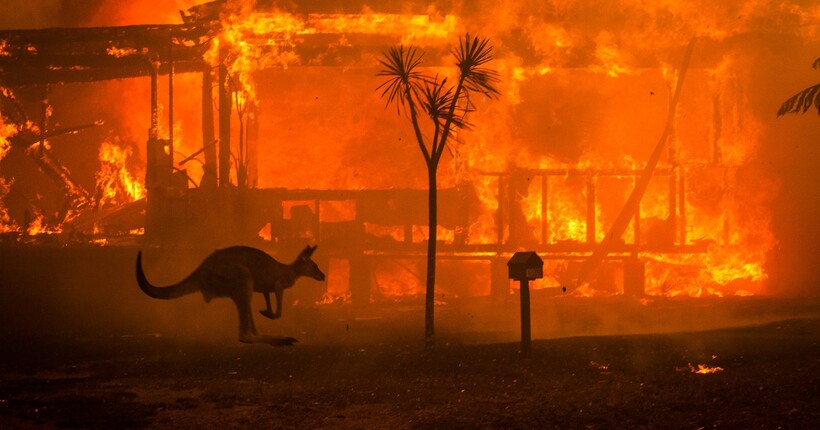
(704, 369)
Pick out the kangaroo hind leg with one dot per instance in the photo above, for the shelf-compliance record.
(247, 328)
(241, 294)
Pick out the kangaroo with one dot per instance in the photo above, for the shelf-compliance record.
(237, 272)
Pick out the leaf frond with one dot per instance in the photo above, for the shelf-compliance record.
(802, 101)
(439, 102)
(399, 66)
(471, 55)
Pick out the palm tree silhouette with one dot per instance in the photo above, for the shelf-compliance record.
(446, 107)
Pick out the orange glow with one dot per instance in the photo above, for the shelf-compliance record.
(39, 226)
(578, 98)
(7, 131)
(704, 369)
(416, 29)
(115, 183)
(6, 224)
(120, 52)
(600, 366)
(397, 279)
(265, 233)
(338, 289)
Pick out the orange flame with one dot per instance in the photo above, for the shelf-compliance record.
(704, 369)
(40, 226)
(7, 131)
(577, 74)
(6, 223)
(120, 52)
(338, 289)
(115, 184)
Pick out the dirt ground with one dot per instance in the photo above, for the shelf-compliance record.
(82, 347)
(770, 379)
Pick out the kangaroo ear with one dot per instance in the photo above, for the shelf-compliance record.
(307, 252)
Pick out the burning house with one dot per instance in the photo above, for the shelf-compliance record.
(255, 122)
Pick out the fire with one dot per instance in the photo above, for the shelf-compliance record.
(40, 226)
(704, 369)
(6, 223)
(581, 97)
(338, 290)
(610, 56)
(115, 184)
(397, 279)
(416, 29)
(120, 52)
(251, 42)
(7, 131)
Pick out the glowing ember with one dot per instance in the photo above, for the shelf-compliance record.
(120, 52)
(597, 365)
(704, 369)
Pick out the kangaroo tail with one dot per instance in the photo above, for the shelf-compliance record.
(170, 292)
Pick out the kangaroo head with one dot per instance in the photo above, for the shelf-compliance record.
(306, 266)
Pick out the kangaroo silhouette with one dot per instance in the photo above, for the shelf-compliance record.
(236, 272)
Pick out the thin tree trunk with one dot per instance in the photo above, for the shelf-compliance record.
(432, 207)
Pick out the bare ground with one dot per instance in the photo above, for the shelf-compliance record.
(771, 379)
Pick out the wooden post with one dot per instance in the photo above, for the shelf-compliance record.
(224, 128)
(681, 205)
(252, 147)
(499, 213)
(637, 231)
(209, 176)
(524, 266)
(171, 101)
(152, 131)
(526, 337)
(591, 210)
(151, 153)
(545, 223)
(673, 208)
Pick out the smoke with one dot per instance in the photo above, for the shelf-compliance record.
(25, 14)
(31, 14)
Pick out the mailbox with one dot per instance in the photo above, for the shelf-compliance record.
(526, 266)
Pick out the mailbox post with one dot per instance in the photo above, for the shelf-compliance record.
(524, 267)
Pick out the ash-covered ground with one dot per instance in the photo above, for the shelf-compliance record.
(770, 379)
(82, 347)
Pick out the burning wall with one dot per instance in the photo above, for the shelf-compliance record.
(586, 87)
